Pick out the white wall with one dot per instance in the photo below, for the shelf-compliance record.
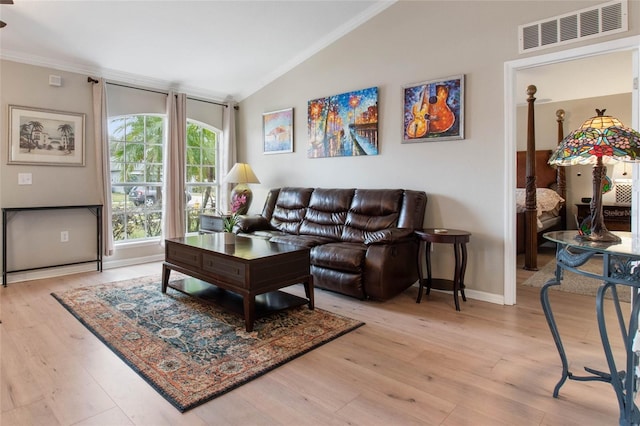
(412, 42)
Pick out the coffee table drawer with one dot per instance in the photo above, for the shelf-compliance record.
(232, 271)
(183, 254)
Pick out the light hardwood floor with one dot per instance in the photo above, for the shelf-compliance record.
(422, 364)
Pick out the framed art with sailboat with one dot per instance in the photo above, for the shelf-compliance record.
(433, 110)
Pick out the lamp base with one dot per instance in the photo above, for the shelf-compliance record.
(598, 232)
(241, 197)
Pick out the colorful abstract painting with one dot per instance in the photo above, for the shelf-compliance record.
(433, 110)
(278, 131)
(344, 125)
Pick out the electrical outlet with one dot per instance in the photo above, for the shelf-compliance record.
(64, 236)
(25, 179)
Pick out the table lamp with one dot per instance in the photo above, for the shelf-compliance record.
(600, 139)
(241, 195)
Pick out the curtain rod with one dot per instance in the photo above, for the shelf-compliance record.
(93, 80)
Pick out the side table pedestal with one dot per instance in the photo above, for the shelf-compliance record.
(458, 239)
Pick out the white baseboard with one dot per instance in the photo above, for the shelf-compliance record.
(60, 271)
(134, 261)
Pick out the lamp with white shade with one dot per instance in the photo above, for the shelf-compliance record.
(241, 174)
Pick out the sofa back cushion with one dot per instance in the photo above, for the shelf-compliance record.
(290, 209)
(414, 204)
(371, 210)
(327, 212)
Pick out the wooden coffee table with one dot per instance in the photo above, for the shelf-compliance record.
(240, 274)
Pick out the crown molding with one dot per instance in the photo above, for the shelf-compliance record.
(112, 75)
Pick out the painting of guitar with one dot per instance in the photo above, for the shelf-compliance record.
(440, 116)
(417, 127)
(434, 110)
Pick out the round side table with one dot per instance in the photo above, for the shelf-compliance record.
(459, 240)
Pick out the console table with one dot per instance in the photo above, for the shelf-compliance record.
(619, 269)
(7, 211)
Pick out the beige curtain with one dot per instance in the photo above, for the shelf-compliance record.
(228, 154)
(103, 165)
(173, 198)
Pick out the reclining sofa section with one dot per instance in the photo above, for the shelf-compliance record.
(361, 240)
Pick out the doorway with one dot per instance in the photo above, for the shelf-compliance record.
(512, 68)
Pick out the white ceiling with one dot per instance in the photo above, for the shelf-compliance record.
(217, 49)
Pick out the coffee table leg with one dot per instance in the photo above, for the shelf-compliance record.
(308, 290)
(165, 277)
(249, 302)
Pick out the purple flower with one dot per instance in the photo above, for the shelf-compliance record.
(237, 201)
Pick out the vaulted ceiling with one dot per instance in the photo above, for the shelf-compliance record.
(217, 49)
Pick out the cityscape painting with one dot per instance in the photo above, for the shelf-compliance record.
(343, 125)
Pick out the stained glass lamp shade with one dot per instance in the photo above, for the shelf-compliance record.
(601, 139)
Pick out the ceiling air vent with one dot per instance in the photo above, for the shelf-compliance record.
(597, 21)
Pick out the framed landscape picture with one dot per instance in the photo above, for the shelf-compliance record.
(433, 110)
(45, 137)
(277, 131)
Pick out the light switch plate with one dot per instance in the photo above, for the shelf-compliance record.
(24, 179)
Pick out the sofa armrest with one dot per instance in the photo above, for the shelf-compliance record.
(248, 224)
(387, 236)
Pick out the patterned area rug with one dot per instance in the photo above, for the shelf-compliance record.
(188, 350)
(574, 283)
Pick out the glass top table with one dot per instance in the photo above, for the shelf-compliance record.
(620, 267)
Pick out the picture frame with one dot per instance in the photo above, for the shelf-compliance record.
(343, 125)
(277, 131)
(433, 110)
(39, 136)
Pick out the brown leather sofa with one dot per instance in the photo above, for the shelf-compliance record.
(361, 240)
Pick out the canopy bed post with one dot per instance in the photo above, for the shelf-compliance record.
(562, 180)
(531, 228)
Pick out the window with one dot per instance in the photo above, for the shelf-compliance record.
(136, 145)
(201, 181)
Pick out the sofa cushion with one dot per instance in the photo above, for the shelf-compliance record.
(340, 256)
(300, 240)
(327, 212)
(371, 210)
(290, 209)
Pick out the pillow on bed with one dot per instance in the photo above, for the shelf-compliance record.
(548, 200)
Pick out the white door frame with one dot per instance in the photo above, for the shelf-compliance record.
(631, 44)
